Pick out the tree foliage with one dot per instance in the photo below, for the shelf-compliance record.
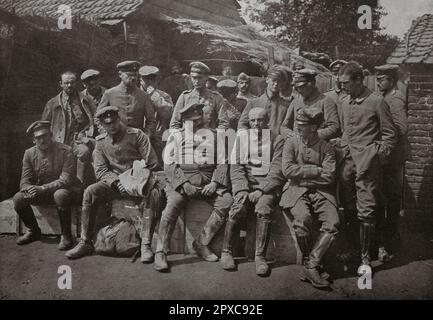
(326, 26)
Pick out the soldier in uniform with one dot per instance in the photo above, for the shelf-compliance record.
(392, 186)
(115, 152)
(310, 97)
(93, 89)
(212, 100)
(48, 176)
(234, 105)
(255, 184)
(309, 165)
(211, 83)
(71, 116)
(244, 86)
(369, 136)
(276, 107)
(192, 179)
(336, 94)
(286, 91)
(136, 110)
(163, 105)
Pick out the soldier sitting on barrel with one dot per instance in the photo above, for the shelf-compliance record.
(115, 152)
(255, 183)
(309, 166)
(48, 176)
(189, 177)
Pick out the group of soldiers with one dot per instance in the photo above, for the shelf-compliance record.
(343, 148)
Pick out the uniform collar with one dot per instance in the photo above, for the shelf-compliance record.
(313, 95)
(364, 94)
(312, 142)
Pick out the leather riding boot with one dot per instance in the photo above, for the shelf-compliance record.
(262, 240)
(34, 232)
(227, 261)
(210, 229)
(366, 231)
(146, 233)
(165, 231)
(85, 246)
(312, 265)
(66, 240)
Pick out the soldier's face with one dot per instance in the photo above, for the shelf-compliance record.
(350, 86)
(243, 86)
(306, 130)
(147, 81)
(385, 83)
(128, 78)
(257, 121)
(78, 113)
(91, 85)
(112, 128)
(306, 90)
(43, 142)
(68, 83)
(198, 80)
(274, 84)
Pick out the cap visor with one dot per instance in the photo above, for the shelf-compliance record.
(299, 84)
(39, 133)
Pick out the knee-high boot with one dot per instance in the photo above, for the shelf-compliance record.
(227, 261)
(66, 240)
(210, 229)
(262, 240)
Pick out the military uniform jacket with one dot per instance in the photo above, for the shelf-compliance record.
(95, 100)
(397, 105)
(113, 157)
(135, 107)
(179, 170)
(212, 100)
(300, 163)
(331, 125)
(53, 169)
(245, 178)
(337, 95)
(163, 105)
(55, 113)
(368, 130)
(275, 107)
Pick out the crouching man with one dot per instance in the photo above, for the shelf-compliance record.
(189, 177)
(115, 152)
(48, 176)
(309, 165)
(256, 185)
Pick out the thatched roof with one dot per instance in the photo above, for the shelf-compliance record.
(239, 44)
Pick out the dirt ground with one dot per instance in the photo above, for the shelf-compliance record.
(30, 272)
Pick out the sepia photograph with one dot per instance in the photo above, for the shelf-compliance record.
(216, 154)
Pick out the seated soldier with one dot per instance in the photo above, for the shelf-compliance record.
(189, 177)
(309, 166)
(48, 176)
(115, 152)
(255, 184)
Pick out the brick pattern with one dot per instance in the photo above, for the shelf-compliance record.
(419, 169)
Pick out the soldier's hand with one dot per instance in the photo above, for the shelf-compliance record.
(190, 190)
(241, 196)
(35, 191)
(209, 189)
(121, 188)
(255, 195)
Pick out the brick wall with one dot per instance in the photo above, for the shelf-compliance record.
(418, 196)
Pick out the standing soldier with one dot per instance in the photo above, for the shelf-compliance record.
(234, 106)
(48, 176)
(192, 179)
(309, 166)
(392, 189)
(115, 152)
(94, 90)
(286, 91)
(368, 138)
(256, 184)
(336, 94)
(212, 100)
(275, 106)
(163, 105)
(71, 116)
(244, 86)
(136, 110)
(310, 97)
